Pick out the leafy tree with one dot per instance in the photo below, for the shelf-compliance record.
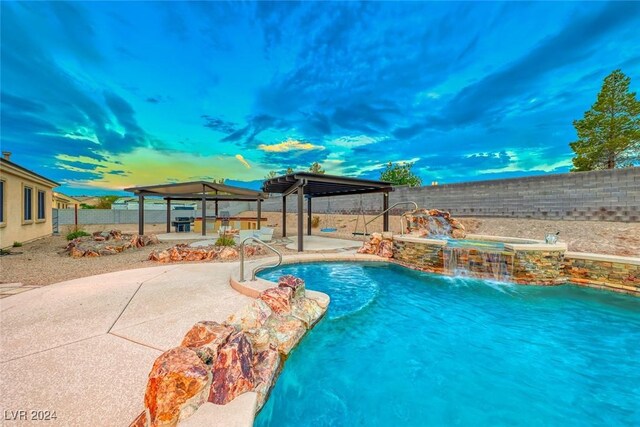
(609, 133)
(271, 174)
(105, 202)
(316, 168)
(400, 174)
(289, 171)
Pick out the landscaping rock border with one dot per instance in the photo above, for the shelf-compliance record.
(218, 362)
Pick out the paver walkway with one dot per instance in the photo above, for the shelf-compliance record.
(83, 348)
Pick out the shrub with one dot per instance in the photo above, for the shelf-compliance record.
(225, 241)
(17, 244)
(315, 221)
(76, 234)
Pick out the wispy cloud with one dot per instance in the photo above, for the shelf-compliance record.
(289, 145)
(243, 161)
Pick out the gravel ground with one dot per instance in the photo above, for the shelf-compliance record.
(38, 263)
(613, 238)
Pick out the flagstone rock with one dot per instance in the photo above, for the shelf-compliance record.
(279, 299)
(307, 311)
(178, 383)
(232, 371)
(228, 253)
(266, 368)
(251, 316)
(379, 244)
(103, 243)
(433, 223)
(259, 338)
(385, 249)
(206, 338)
(293, 282)
(285, 332)
(76, 253)
(140, 421)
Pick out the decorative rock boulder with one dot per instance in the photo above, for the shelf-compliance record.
(140, 421)
(285, 332)
(232, 371)
(307, 311)
(266, 367)
(293, 282)
(385, 249)
(379, 244)
(252, 316)
(206, 338)
(433, 223)
(278, 299)
(228, 253)
(178, 383)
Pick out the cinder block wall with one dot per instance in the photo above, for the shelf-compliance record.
(112, 216)
(610, 195)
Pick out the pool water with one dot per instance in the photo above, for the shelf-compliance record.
(404, 348)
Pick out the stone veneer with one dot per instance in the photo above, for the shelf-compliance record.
(523, 263)
(538, 267)
(619, 274)
(423, 254)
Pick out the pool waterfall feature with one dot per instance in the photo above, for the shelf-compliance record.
(486, 257)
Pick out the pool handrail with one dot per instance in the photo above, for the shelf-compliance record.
(387, 210)
(260, 267)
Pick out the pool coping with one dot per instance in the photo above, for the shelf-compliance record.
(252, 288)
(511, 243)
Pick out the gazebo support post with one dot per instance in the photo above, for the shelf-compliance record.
(259, 212)
(141, 215)
(168, 215)
(300, 217)
(216, 211)
(309, 216)
(385, 216)
(284, 216)
(204, 215)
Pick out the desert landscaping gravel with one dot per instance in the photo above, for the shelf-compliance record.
(38, 263)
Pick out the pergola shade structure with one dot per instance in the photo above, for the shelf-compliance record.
(312, 185)
(196, 191)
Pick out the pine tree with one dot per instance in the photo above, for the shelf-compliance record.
(609, 133)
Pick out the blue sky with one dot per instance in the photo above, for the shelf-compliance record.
(102, 96)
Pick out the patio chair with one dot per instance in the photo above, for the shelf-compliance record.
(265, 234)
(243, 234)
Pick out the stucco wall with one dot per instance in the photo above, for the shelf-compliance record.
(14, 229)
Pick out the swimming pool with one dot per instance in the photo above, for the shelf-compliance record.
(403, 348)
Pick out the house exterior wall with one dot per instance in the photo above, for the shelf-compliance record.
(15, 228)
(62, 201)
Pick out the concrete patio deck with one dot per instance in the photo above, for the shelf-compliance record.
(83, 348)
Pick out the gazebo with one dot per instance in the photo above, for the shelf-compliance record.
(196, 191)
(311, 185)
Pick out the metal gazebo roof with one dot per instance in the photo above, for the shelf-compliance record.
(321, 185)
(314, 185)
(196, 190)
